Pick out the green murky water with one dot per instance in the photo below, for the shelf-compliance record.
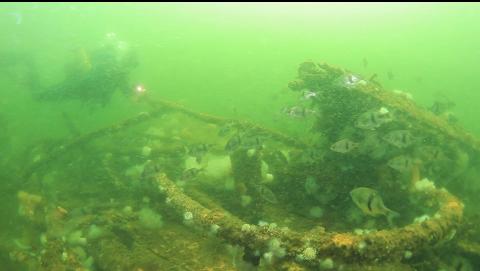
(76, 179)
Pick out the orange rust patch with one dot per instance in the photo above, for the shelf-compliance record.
(217, 215)
(342, 240)
(453, 204)
(288, 266)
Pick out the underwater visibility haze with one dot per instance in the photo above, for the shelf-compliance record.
(239, 136)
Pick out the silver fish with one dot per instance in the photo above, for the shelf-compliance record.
(401, 163)
(198, 151)
(442, 105)
(351, 79)
(430, 153)
(233, 143)
(298, 111)
(266, 194)
(373, 119)
(403, 94)
(226, 129)
(308, 94)
(245, 141)
(399, 138)
(370, 202)
(191, 173)
(344, 146)
(373, 146)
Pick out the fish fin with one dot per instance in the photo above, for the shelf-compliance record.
(356, 145)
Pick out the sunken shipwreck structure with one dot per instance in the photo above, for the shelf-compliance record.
(175, 189)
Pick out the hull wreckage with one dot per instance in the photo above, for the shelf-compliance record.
(243, 175)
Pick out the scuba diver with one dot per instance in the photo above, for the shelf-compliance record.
(93, 77)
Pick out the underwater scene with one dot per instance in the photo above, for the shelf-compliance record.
(239, 136)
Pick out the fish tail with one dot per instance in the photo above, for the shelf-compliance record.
(391, 215)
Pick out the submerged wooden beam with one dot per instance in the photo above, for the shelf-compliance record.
(160, 107)
(315, 247)
(241, 124)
